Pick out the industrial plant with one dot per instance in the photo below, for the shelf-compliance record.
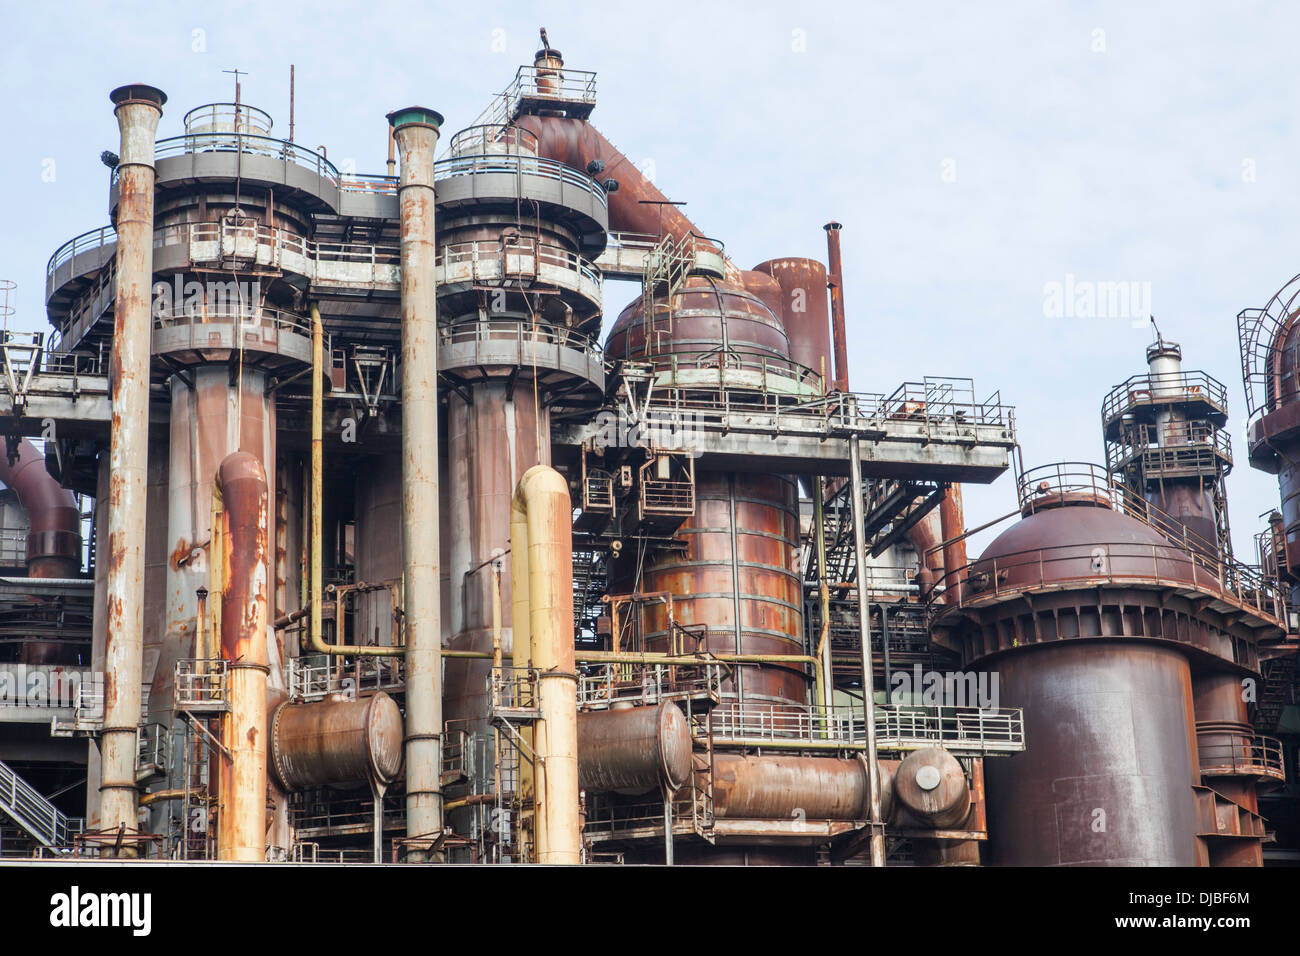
(345, 521)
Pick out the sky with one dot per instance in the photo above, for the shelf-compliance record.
(976, 154)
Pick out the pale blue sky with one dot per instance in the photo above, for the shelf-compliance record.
(1119, 165)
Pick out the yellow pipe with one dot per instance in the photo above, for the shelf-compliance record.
(315, 638)
(541, 546)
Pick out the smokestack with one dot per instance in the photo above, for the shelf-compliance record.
(415, 130)
(245, 587)
(835, 279)
(138, 109)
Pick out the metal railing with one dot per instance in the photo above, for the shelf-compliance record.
(660, 497)
(250, 144)
(572, 86)
(87, 241)
(231, 117)
(1243, 756)
(514, 690)
(201, 684)
(1263, 334)
(254, 318)
(600, 685)
(154, 748)
(29, 808)
(520, 258)
(494, 138)
(522, 333)
(785, 724)
(1189, 558)
(959, 729)
(518, 165)
(1164, 388)
(313, 676)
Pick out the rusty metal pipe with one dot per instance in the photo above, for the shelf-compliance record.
(541, 545)
(415, 130)
(952, 524)
(138, 109)
(54, 532)
(245, 597)
(868, 671)
(835, 279)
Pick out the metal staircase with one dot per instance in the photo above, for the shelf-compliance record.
(28, 808)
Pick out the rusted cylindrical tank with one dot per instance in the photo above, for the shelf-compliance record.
(739, 578)
(1107, 779)
(331, 742)
(780, 787)
(633, 750)
(931, 785)
(1224, 745)
(804, 311)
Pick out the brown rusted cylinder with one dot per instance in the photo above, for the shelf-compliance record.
(330, 742)
(765, 287)
(803, 309)
(1223, 740)
(924, 535)
(835, 276)
(952, 524)
(778, 787)
(637, 205)
(54, 535)
(931, 785)
(1107, 779)
(635, 750)
(739, 578)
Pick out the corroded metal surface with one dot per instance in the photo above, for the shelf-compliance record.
(245, 596)
(803, 309)
(773, 787)
(932, 786)
(633, 750)
(835, 279)
(415, 131)
(1107, 779)
(138, 110)
(336, 742)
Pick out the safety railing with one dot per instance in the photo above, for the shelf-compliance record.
(228, 118)
(29, 808)
(154, 748)
(253, 317)
(372, 184)
(13, 547)
(201, 685)
(517, 165)
(667, 497)
(1264, 335)
(1258, 756)
(597, 494)
(1191, 559)
(520, 258)
(551, 83)
(494, 138)
(77, 245)
(522, 333)
(514, 691)
(600, 685)
(959, 729)
(1164, 388)
(784, 725)
(249, 144)
(1169, 446)
(734, 369)
(313, 676)
(455, 751)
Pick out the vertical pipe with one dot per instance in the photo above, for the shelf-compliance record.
(835, 275)
(138, 109)
(415, 131)
(827, 682)
(541, 548)
(952, 526)
(868, 673)
(245, 594)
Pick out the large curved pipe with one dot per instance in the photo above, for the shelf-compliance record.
(244, 568)
(637, 205)
(54, 538)
(541, 545)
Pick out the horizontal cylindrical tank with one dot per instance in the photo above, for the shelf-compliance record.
(932, 785)
(1107, 779)
(633, 750)
(778, 787)
(336, 741)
